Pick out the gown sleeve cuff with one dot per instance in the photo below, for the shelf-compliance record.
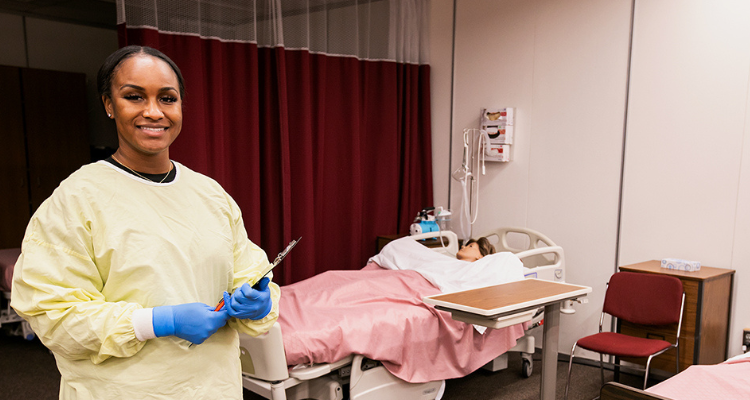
(143, 324)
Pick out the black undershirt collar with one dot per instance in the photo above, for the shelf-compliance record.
(155, 178)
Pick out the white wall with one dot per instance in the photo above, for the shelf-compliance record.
(65, 47)
(686, 173)
(564, 65)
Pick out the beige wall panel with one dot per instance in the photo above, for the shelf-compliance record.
(741, 248)
(441, 74)
(685, 130)
(563, 65)
(12, 47)
(75, 48)
(494, 68)
(580, 80)
(68, 47)
(686, 175)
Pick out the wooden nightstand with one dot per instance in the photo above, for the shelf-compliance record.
(705, 320)
(383, 240)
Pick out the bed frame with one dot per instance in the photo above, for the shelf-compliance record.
(618, 391)
(8, 258)
(9, 316)
(264, 369)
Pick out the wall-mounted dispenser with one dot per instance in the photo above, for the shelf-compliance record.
(496, 124)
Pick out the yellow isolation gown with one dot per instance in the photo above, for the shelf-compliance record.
(107, 243)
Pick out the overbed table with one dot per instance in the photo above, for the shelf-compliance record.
(512, 303)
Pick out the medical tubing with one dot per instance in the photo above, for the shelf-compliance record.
(463, 171)
(466, 159)
(440, 235)
(486, 139)
(468, 165)
(466, 216)
(476, 190)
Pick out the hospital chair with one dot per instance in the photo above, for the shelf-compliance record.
(264, 369)
(651, 300)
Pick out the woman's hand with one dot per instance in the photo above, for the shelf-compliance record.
(194, 322)
(249, 302)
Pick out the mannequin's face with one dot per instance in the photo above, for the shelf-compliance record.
(469, 252)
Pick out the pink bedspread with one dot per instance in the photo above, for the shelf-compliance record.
(8, 258)
(379, 313)
(728, 380)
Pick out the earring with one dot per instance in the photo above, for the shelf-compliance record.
(109, 115)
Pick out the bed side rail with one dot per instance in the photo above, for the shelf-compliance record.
(535, 239)
(551, 272)
(501, 239)
(451, 247)
(546, 263)
(263, 357)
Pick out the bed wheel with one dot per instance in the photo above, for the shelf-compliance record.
(527, 368)
(28, 334)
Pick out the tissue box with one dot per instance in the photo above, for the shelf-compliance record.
(682, 265)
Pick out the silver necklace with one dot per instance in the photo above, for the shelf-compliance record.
(150, 180)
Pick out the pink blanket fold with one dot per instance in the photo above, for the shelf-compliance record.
(8, 258)
(728, 380)
(379, 313)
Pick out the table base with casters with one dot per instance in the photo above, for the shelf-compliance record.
(511, 303)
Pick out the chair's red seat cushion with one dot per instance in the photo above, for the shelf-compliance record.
(622, 345)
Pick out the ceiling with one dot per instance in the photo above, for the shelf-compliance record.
(100, 13)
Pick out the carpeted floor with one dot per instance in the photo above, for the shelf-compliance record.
(508, 384)
(28, 371)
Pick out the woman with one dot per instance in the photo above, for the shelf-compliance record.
(473, 250)
(122, 266)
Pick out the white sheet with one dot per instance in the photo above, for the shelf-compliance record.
(447, 273)
(738, 358)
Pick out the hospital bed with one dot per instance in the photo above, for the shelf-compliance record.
(264, 362)
(727, 380)
(16, 325)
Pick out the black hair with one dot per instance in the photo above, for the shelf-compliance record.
(112, 63)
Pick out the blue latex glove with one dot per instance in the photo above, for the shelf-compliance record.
(249, 302)
(194, 322)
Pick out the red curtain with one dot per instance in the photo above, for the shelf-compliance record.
(335, 150)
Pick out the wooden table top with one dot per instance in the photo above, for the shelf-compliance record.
(508, 297)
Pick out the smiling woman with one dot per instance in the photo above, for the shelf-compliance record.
(122, 266)
(143, 93)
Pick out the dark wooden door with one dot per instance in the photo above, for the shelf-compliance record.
(56, 128)
(43, 139)
(14, 189)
